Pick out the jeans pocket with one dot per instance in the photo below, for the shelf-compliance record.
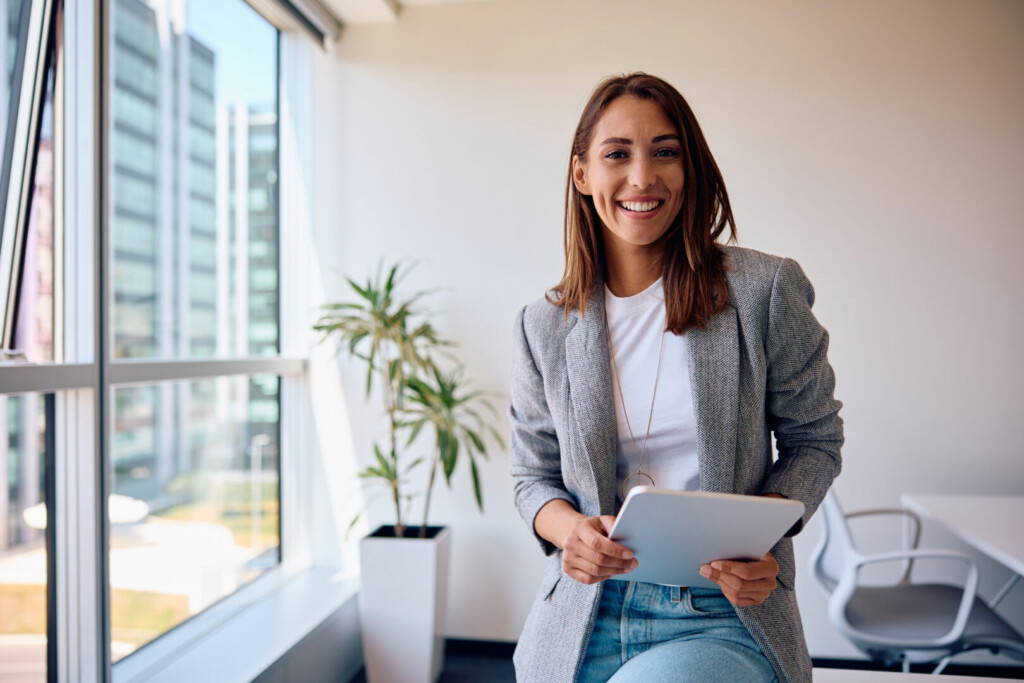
(709, 603)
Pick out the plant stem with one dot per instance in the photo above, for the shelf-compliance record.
(430, 491)
(399, 527)
(395, 495)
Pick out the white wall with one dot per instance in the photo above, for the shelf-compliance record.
(877, 143)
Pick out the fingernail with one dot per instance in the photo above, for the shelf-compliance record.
(628, 556)
(705, 572)
(717, 565)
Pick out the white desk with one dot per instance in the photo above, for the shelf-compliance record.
(994, 525)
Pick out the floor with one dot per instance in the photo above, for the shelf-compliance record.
(465, 668)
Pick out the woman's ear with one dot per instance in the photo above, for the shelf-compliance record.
(579, 176)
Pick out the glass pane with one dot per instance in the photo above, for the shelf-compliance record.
(194, 150)
(195, 499)
(33, 328)
(23, 557)
(14, 17)
(12, 44)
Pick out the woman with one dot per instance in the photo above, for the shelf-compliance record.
(662, 357)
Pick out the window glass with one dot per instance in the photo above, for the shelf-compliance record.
(195, 500)
(12, 42)
(194, 146)
(23, 553)
(33, 324)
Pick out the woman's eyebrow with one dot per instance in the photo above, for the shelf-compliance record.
(627, 141)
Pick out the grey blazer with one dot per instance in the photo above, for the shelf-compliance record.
(760, 366)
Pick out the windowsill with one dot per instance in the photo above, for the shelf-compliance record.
(241, 645)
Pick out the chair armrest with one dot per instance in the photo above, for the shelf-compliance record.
(905, 578)
(848, 584)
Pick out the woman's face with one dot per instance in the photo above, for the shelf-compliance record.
(633, 171)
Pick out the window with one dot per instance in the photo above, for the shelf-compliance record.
(195, 257)
(25, 461)
(194, 505)
(194, 464)
(142, 429)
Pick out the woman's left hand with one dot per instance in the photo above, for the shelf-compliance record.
(744, 583)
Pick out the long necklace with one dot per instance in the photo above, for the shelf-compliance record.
(640, 475)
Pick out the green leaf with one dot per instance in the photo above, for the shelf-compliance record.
(385, 466)
(476, 440)
(495, 435)
(351, 524)
(450, 459)
(411, 465)
(390, 284)
(354, 341)
(372, 472)
(415, 431)
(476, 485)
(363, 292)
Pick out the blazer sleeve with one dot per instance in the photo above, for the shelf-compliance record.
(802, 410)
(535, 457)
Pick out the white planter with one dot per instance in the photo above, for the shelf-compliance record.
(401, 605)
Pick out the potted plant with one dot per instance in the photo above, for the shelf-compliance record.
(404, 569)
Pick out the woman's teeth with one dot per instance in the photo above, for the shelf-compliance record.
(640, 207)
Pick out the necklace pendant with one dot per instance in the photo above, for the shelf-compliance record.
(638, 478)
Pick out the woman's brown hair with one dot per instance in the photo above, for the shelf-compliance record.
(693, 269)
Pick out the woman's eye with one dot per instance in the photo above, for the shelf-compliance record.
(617, 154)
(667, 153)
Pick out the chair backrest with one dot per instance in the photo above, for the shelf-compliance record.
(835, 549)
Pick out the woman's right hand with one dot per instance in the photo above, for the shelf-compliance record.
(589, 556)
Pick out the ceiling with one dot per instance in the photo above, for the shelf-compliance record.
(370, 11)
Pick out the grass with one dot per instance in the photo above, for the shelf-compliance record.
(137, 616)
(237, 518)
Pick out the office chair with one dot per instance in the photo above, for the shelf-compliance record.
(905, 622)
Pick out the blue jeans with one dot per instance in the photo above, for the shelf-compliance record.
(649, 633)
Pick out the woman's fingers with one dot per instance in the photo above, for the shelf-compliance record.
(594, 534)
(604, 560)
(589, 555)
(744, 583)
(740, 585)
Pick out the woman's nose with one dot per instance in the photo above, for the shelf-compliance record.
(641, 173)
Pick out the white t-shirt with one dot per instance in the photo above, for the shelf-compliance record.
(636, 324)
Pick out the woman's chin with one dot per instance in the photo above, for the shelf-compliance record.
(637, 237)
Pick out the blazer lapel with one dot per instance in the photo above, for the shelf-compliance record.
(714, 381)
(590, 394)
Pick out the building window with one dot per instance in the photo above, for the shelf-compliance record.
(194, 222)
(24, 551)
(194, 464)
(194, 505)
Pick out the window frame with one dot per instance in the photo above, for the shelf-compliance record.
(20, 152)
(83, 372)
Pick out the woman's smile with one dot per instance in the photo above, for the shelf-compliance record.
(641, 208)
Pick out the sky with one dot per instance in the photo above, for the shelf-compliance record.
(246, 49)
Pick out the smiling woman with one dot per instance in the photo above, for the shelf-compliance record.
(662, 358)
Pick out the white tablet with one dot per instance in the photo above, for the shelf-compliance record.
(672, 533)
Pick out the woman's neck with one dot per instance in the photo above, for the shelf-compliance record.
(631, 269)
